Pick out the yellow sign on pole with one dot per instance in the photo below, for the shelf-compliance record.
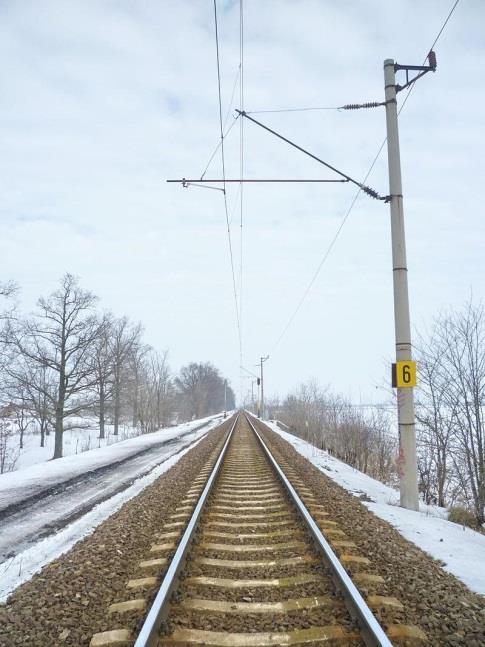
(406, 374)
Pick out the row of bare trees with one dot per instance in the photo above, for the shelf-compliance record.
(450, 405)
(359, 437)
(203, 390)
(450, 410)
(68, 360)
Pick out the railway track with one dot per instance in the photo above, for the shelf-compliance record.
(250, 559)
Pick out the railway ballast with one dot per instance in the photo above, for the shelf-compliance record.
(250, 558)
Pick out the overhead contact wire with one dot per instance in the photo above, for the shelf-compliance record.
(241, 169)
(224, 176)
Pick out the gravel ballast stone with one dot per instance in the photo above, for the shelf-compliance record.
(258, 607)
(68, 600)
(434, 600)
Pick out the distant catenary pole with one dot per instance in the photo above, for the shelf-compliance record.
(262, 360)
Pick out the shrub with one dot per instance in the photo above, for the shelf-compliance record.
(463, 516)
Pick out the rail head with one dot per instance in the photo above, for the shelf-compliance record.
(149, 633)
(373, 633)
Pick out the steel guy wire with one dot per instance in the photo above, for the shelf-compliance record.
(237, 78)
(226, 119)
(219, 144)
(347, 106)
(260, 112)
(235, 204)
(354, 200)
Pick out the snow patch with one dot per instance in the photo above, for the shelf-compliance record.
(29, 481)
(460, 549)
(23, 566)
(16, 486)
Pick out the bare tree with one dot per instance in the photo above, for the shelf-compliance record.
(123, 338)
(8, 288)
(32, 387)
(384, 446)
(329, 422)
(463, 336)
(8, 452)
(65, 360)
(150, 388)
(41, 388)
(201, 390)
(137, 378)
(22, 410)
(8, 291)
(272, 406)
(436, 417)
(450, 412)
(103, 369)
(146, 400)
(159, 372)
(59, 337)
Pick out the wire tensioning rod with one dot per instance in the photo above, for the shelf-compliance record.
(366, 189)
(185, 182)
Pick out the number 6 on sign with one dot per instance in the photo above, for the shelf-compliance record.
(404, 374)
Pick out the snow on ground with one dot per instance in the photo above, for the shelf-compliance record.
(82, 437)
(21, 484)
(15, 485)
(461, 549)
(23, 566)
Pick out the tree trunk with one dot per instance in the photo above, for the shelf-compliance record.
(59, 430)
(441, 478)
(101, 411)
(42, 433)
(159, 411)
(116, 412)
(136, 417)
(59, 425)
(135, 401)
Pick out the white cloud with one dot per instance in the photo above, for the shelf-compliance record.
(102, 101)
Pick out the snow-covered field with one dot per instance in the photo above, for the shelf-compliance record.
(26, 482)
(83, 437)
(461, 549)
(20, 485)
(80, 435)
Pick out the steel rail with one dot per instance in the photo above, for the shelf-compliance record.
(373, 633)
(149, 634)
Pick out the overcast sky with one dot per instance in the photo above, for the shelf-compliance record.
(101, 101)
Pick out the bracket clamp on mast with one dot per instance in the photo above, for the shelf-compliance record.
(422, 69)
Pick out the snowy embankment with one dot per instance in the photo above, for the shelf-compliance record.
(460, 549)
(30, 481)
(80, 435)
(21, 485)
